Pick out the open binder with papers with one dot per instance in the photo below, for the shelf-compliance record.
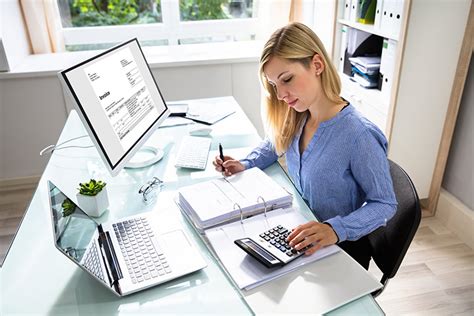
(243, 205)
(224, 200)
(246, 271)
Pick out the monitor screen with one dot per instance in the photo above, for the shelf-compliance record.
(118, 100)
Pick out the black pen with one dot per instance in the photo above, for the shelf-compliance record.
(221, 154)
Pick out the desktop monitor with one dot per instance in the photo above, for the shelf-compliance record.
(118, 101)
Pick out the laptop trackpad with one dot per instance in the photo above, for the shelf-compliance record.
(174, 240)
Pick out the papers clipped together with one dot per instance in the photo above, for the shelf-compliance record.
(223, 200)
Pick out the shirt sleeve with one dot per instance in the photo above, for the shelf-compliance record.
(262, 156)
(370, 168)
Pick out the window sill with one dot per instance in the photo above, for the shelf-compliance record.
(42, 65)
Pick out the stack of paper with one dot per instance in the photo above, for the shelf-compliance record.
(223, 200)
(367, 65)
(365, 70)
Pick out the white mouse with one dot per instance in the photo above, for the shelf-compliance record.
(200, 131)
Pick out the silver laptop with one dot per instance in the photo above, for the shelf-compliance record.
(126, 256)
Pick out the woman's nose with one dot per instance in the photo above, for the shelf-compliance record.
(281, 93)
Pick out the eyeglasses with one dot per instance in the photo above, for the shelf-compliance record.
(148, 190)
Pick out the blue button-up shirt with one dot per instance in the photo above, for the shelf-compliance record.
(343, 173)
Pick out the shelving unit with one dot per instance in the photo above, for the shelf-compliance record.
(374, 103)
(412, 107)
(369, 28)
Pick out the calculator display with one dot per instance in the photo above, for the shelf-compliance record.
(252, 245)
(271, 247)
(257, 252)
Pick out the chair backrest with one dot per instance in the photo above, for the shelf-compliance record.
(390, 243)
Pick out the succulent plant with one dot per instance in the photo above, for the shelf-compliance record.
(91, 188)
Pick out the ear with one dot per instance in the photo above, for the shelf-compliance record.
(317, 64)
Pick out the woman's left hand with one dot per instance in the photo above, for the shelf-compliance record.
(312, 233)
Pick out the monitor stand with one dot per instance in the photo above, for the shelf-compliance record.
(144, 157)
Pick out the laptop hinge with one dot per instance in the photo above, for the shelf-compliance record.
(112, 263)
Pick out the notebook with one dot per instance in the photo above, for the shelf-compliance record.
(126, 256)
(228, 199)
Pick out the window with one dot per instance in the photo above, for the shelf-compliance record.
(96, 24)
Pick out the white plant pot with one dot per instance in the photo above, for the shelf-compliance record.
(95, 205)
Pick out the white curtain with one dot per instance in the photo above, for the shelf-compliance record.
(44, 25)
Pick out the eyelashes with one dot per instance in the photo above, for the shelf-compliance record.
(286, 80)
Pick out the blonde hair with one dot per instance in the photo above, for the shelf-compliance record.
(297, 43)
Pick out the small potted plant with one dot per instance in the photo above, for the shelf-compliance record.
(92, 197)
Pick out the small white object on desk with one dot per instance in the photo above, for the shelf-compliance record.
(200, 131)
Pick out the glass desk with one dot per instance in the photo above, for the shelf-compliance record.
(36, 278)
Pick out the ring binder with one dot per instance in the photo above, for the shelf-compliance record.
(223, 200)
(264, 204)
(241, 213)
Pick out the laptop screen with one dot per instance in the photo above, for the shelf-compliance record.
(75, 233)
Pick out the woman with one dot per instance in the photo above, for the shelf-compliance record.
(336, 158)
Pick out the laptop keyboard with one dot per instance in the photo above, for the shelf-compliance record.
(193, 152)
(92, 263)
(143, 258)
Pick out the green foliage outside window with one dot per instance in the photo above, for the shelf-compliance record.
(194, 10)
(122, 12)
(114, 12)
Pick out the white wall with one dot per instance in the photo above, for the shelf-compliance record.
(32, 117)
(433, 42)
(324, 15)
(459, 174)
(33, 110)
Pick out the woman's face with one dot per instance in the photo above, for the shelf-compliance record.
(295, 84)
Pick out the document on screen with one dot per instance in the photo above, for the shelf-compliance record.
(123, 95)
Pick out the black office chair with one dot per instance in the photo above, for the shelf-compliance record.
(390, 243)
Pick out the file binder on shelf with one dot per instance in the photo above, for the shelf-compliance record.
(397, 18)
(354, 12)
(347, 9)
(228, 199)
(367, 11)
(387, 66)
(391, 21)
(378, 14)
(343, 49)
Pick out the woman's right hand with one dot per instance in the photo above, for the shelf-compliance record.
(229, 166)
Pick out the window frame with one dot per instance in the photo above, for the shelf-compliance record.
(171, 29)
